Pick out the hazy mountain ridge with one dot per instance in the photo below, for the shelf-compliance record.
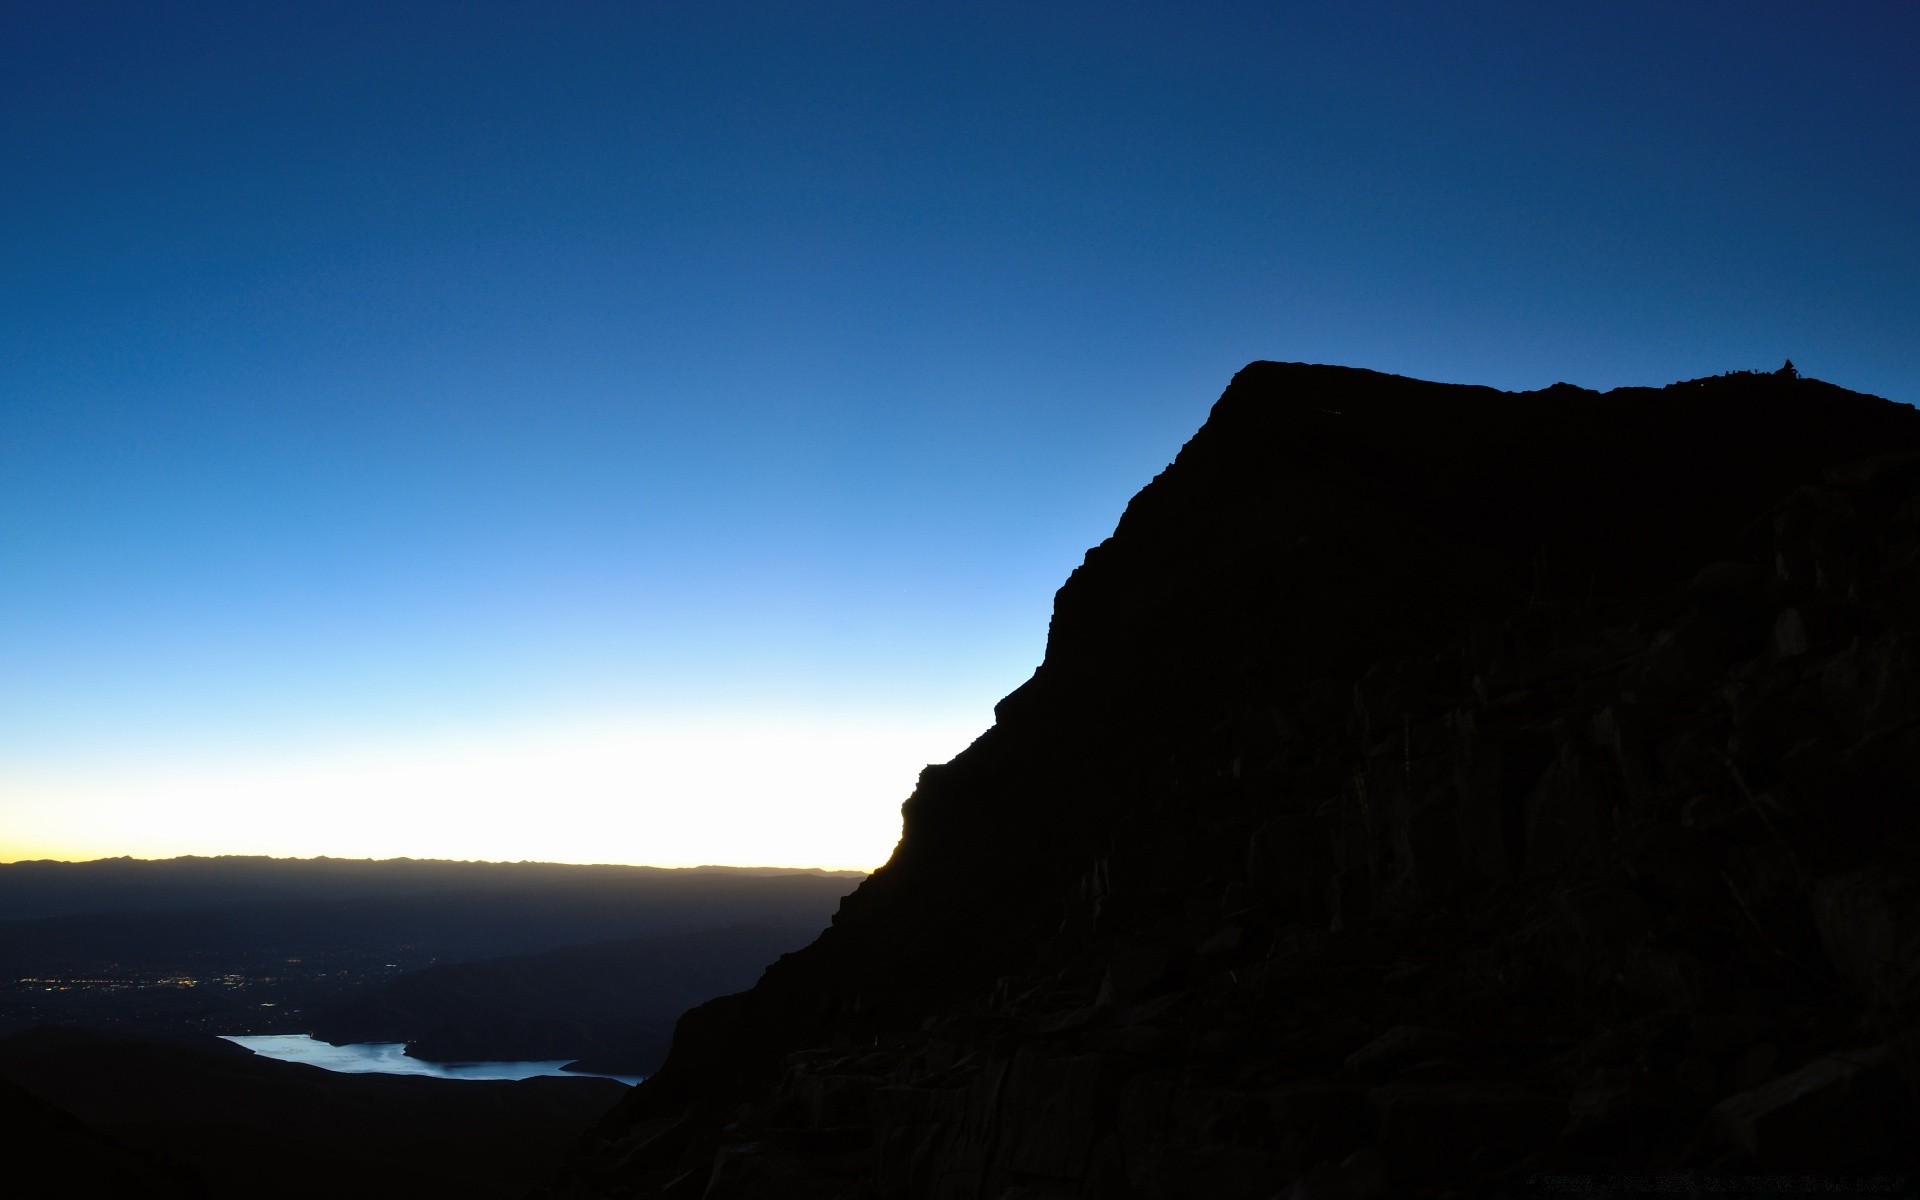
(263, 963)
(468, 923)
(1425, 786)
(39, 888)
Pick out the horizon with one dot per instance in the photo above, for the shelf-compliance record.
(613, 433)
(481, 862)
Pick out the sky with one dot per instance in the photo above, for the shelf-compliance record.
(642, 432)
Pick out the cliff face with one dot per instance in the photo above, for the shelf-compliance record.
(1424, 786)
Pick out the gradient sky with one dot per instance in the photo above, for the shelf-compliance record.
(647, 433)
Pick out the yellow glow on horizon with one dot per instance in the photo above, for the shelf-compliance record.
(808, 792)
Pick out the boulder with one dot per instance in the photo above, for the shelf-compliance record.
(1453, 1131)
(1404, 1045)
(1838, 1109)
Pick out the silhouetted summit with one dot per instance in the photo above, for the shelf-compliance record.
(1426, 786)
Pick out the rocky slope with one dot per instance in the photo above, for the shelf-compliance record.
(1426, 787)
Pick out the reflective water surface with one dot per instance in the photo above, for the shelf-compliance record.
(390, 1058)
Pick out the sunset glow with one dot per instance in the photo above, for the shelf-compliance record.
(753, 791)
(610, 430)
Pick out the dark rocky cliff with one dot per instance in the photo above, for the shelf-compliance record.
(1426, 786)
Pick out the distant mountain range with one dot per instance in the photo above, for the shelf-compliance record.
(264, 946)
(48, 888)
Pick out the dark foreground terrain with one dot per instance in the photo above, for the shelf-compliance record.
(116, 971)
(610, 1006)
(116, 1116)
(1427, 791)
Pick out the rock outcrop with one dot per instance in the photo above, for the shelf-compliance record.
(1425, 788)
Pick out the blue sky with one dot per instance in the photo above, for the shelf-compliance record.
(382, 381)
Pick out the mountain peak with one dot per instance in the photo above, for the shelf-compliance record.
(1391, 794)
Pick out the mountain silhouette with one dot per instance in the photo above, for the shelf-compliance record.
(1425, 788)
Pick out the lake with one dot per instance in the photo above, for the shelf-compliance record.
(390, 1058)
